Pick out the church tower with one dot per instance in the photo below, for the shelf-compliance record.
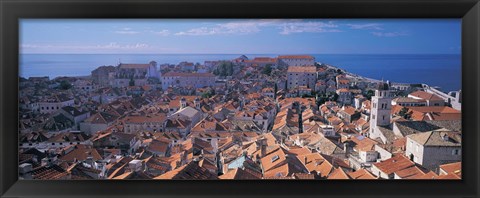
(196, 102)
(183, 103)
(380, 110)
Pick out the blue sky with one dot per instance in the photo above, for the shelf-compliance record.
(241, 36)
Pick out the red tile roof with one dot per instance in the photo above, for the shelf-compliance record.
(361, 174)
(302, 69)
(455, 168)
(394, 164)
(338, 173)
(189, 171)
(134, 66)
(425, 95)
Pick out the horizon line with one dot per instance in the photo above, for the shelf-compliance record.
(239, 53)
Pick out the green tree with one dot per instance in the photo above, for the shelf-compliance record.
(132, 82)
(206, 95)
(275, 89)
(332, 96)
(369, 94)
(224, 69)
(404, 113)
(267, 70)
(65, 85)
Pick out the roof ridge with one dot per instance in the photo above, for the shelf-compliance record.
(431, 132)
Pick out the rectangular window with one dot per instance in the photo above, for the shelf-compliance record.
(455, 152)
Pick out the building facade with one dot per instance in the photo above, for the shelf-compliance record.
(295, 60)
(380, 112)
(126, 74)
(196, 80)
(301, 76)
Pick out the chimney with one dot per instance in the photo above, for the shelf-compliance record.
(263, 147)
(89, 161)
(445, 137)
(135, 165)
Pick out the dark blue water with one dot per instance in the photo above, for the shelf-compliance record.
(436, 70)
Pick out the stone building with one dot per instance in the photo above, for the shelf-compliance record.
(434, 148)
(196, 80)
(301, 76)
(295, 60)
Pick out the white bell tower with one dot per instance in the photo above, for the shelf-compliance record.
(183, 103)
(380, 110)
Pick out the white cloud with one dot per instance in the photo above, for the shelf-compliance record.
(109, 46)
(161, 32)
(309, 27)
(286, 26)
(390, 34)
(366, 26)
(126, 31)
(227, 28)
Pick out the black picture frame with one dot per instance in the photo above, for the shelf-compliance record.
(13, 10)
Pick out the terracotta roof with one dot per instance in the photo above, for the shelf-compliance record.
(241, 173)
(81, 153)
(302, 69)
(363, 143)
(407, 99)
(338, 173)
(264, 59)
(449, 176)
(410, 172)
(69, 137)
(361, 174)
(281, 169)
(343, 90)
(303, 176)
(101, 118)
(429, 175)
(189, 171)
(158, 146)
(394, 164)
(297, 151)
(134, 66)
(146, 119)
(273, 159)
(425, 95)
(49, 173)
(349, 110)
(455, 168)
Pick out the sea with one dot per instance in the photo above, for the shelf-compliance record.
(441, 70)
